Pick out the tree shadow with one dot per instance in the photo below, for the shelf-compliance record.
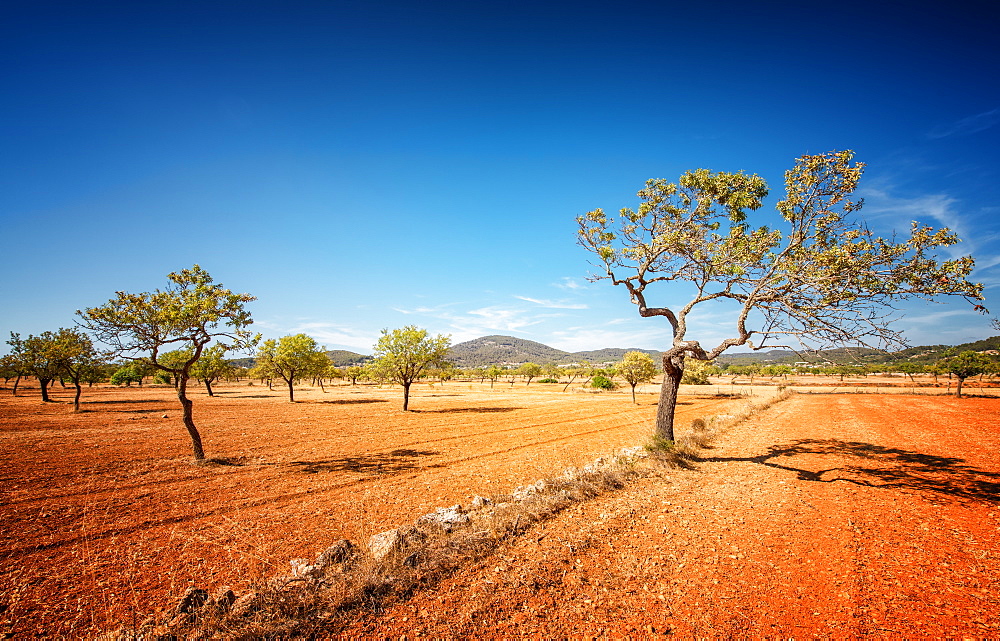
(394, 462)
(125, 401)
(882, 467)
(467, 410)
(349, 401)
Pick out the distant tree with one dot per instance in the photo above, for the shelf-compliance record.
(827, 280)
(909, 368)
(353, 373)
(403, 355)
(125, 375)
(173, 362)
(211, 367)
(191, 312)
(636, 368)
(964, 365)
(36, 357)
(529, 371)
(290, 358)
(11, 367)
(493, 372)
(75, 357)
(697, 373)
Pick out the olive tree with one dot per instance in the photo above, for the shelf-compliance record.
(34, 356)
(189, 313)
(824, 279)
(402, 355)
(635, 368)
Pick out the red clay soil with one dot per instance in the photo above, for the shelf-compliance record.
(104, 520)
(825, 516)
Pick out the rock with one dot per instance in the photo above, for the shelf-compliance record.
(385, 544)
(446, 517)
(164, 416)
(192, 601)
(480, 502)
(339, 552)
(301, 567)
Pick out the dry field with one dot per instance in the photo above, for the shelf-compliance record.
(104, 519)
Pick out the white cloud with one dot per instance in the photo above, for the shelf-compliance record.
(552, 304)
(571, 284)
(967, 126)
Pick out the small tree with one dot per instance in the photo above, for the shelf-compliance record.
(827, 280)
(11, 367)
(212, 366)
(74, 356)
(403, 354)
(964, 365)
(125, 375)
(289, 358)
(636, 368)
(36, 357)
(191, 312)
(353, 373)
(529, 371)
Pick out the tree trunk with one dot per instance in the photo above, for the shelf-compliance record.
(76, 399)
(187, 405)
(16, 382)
(673, 370)
(406, 396)
(958, 389)
(44, 383)
(291, 391)
(633, 394)
(208, 386)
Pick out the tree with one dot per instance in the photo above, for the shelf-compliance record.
(211, 367)
(354, 372)
(529, 371)
(74, 355)
(826, 280)
(35, 357)
(11, 367)
(635, 368)
(125, 375)
(403, 354)
(190, 313)
(964, 365)
(290, 358)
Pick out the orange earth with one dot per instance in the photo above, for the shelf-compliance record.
(832, 515)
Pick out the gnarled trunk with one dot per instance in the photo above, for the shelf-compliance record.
(187, 406)
(76, 399)
(673, 370)
(44, 384)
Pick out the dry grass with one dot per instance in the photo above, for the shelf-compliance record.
(323, 595)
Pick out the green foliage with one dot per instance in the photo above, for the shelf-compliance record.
(964, 365)
(291, 358)
(602, 382)
(125, 375)
(696, 372)
(189, 314)
(402, 355)
(548, 380)
(636, 368)
(530, 371)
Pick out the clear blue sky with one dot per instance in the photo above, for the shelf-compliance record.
(367, 165)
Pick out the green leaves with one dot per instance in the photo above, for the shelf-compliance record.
(401, 355)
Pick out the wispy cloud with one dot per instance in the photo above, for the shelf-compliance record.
(326, 333)
(966, 126)
(571, 284)
(551, 304)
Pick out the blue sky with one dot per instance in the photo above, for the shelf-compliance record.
(367, 165)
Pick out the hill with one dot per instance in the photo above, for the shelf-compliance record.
(489, 350)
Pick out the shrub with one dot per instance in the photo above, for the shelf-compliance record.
(602, 382)
(548, 380)
(125, 376)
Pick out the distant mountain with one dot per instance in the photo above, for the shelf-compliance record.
(490, 350)
(920, 354)
(342, 357)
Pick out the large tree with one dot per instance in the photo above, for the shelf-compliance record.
(291, 358)
(964, 365)
(825, 280)
(189, 314)
(402, 355)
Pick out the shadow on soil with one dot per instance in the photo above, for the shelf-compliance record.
(348, 401)
(467, 410)
(881, 467)
(392, 462)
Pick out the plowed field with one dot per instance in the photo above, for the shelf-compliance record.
(104, 519)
